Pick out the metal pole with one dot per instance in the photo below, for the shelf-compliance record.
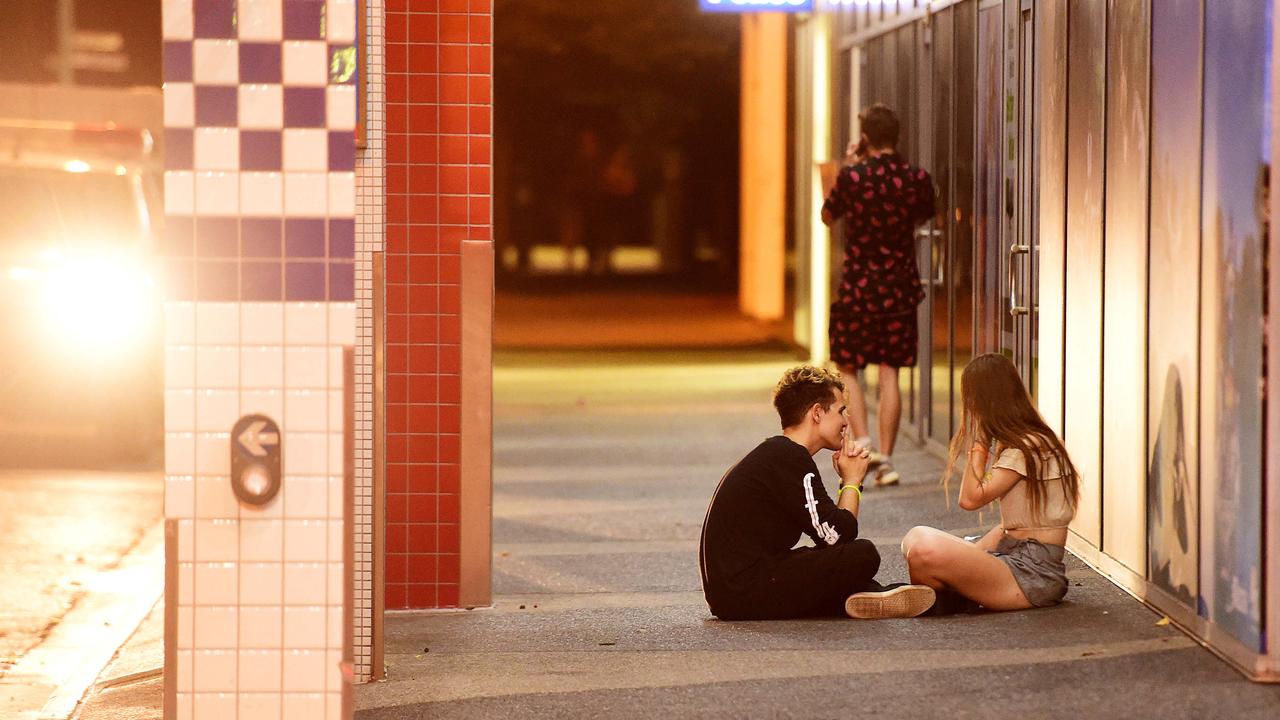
(66, 38)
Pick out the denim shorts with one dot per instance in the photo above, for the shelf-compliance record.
(1038, 569)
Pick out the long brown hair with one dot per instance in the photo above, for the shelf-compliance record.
(997, 408)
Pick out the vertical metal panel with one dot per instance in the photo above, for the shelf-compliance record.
(1011, 197)
(923, 157)
(889, 72)
(1124, 322)
(1086, 147)
(1272, 458)
(1051, 71)
(1173, 394)
(908, 96)
(476, 532)
(908, 109)
(939, 328)
(1237, 63)
(961, 211)
(1272, 462)
(989, 179)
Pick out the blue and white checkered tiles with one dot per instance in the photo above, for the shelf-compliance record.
(260, 113)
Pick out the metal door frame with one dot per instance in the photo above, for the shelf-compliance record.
(1019, 262)
(922, 402)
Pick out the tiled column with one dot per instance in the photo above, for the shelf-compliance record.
(438, 155)
(259, 193)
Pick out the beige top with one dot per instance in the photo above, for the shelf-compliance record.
(1015, 506)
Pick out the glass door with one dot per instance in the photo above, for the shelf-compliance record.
(920, 154)
(1020, 249)
(940, 302)
(989, 181)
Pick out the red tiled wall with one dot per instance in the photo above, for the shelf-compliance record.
(439, 161)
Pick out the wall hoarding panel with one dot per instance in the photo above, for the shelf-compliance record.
(1086, 152)
(1051, 76)
(1173, 387)
(961, 212)
(1125, 289)
(1272, 529)
(1237, 63)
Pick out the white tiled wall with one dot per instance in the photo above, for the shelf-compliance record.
(260, 596)
(370, 236)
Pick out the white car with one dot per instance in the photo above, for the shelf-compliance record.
(83, 361)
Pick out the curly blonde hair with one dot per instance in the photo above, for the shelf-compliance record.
(801, 387)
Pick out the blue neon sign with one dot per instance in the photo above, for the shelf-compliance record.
(755, 6)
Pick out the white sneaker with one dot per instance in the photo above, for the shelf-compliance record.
(886, 475)
(906, 601)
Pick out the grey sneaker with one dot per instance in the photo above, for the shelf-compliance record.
(906, 601)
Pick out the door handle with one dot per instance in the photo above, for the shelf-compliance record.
(939, 275)
(931, 234)
(1015, 308)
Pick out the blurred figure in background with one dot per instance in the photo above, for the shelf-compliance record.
(582, 200)
(623, 218)
(873, 319)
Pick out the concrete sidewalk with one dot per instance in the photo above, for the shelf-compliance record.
(604, 465)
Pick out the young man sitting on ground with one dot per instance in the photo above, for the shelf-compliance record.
(750, 569)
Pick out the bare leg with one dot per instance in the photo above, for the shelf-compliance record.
(890, 408)
(944, 561)
(857, 403)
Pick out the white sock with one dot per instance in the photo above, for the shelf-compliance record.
(864, 441)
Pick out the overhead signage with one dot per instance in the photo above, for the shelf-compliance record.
(755, 6)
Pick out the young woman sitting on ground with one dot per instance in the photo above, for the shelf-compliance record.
(1019, 563)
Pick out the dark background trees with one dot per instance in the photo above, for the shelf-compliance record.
(656, 76)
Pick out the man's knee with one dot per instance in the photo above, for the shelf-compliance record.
(865, 557)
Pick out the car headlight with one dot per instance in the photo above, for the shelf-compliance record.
(104, 302)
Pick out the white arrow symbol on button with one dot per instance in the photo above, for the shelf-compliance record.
(252, 439)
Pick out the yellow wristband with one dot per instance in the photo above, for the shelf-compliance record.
(850, 485)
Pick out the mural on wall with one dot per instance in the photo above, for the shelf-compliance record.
(1237, 65)
(1173, 392)
(1171, 500)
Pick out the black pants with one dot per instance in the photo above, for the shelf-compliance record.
(806, 582)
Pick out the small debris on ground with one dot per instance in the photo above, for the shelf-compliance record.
(1162, 622)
